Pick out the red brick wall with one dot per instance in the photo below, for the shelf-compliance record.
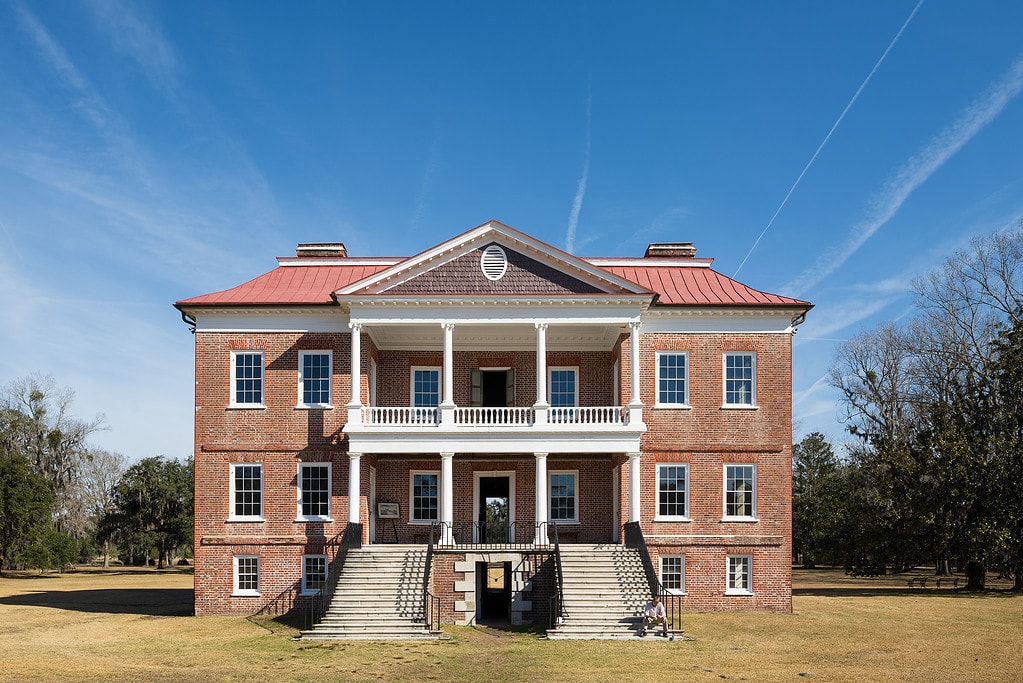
(705, 436)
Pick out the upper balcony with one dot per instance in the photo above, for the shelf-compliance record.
(519, 400)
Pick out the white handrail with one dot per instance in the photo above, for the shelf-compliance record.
(505, 417)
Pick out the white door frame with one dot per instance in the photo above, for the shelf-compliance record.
(476, 476)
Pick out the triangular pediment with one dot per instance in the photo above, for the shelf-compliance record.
(468, 265)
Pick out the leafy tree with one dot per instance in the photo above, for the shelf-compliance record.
(25, 500)
(819, 499)
(153, 504)
(36, 421)
(924, 397)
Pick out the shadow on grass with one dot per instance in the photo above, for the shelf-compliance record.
(884, 592)
(156, 602)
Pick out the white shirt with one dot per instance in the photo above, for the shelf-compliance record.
(652, 610)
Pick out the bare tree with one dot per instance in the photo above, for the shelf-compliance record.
(100, 472)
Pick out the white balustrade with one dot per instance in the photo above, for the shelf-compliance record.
(610, 416)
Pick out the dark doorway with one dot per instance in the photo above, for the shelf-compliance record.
(493, 515)
(493, 588)
(493, 388)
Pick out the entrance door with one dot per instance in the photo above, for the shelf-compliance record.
(493, 586)
(494, 510)
(492, 388)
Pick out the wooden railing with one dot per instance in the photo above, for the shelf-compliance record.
(400, 416)
(598, 415)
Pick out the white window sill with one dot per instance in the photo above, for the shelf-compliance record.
(744, 520)
(314, 406)
(740, 406)
(246, 406)
(672, 519)
(674, 591)
(735, 591)
(245, 594)
(310, 594)
(237, 520)
(566, 522)
(671, 406)
(322, 520)
(423, 522)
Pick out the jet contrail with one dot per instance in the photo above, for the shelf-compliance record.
(577, 203)
(830, 132)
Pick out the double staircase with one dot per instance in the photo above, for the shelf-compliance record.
(378, 597)
(605, 589)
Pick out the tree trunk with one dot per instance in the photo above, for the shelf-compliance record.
(106, 554)
(976, 574)
(941, 568)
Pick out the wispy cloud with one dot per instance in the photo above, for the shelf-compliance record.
(422, 199)
(662, 222)
(827, 137)
(914, 173)
(139, 40)
(580, 192)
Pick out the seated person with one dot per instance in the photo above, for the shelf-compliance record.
(653, 614)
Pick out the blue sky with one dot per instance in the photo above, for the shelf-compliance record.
(154, 151)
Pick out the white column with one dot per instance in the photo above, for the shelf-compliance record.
(634, 370)
(446, 501)
(541, 499)
(354, 497)
(634, 487)
(541, 365)
(447, 398)
(356, 373)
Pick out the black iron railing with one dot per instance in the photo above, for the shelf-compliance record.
(489, 536)
(431, 604)
(336, 549)
(672, 601)
(556, 605)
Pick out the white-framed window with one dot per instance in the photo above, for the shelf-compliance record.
(246, 575)
(740, 372)
(740, 575)
(673, 573)
(424, 497)
(314, 574)
(425, 387)
(563, 384)
(246, 492)
(314, 489)
(673, 378)
(314, 374)
(740, 492)
(563, 498)
(247, 379)
(672, 491)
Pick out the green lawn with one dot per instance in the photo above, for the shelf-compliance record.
(132, 625)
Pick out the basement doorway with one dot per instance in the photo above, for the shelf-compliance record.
(493, 590)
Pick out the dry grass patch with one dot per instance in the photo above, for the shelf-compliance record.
(134, 625)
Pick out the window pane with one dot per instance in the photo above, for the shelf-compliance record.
(739, 573)
(314, 571)
(739, 378)
(248, 490)
(671, 490)
(425, 388)
(672, 576)
(671, 378)
(562, 388)
(563, 496)
(248, 573)
(315, 490)
(248, 378)
(739, 483)
(424, 496)
(316, 378)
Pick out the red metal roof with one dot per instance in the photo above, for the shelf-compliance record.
(289, 285)
(687, 286)
(313, 284)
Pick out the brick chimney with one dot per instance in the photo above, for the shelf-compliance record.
(670, 250)
(321, 250)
